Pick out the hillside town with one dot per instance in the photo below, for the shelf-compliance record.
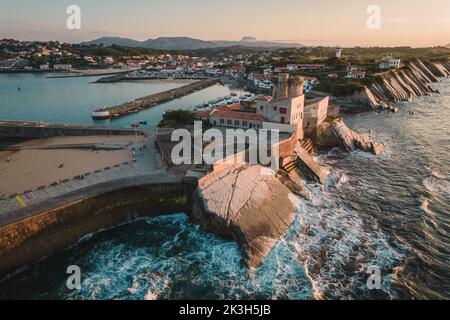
(253, 69)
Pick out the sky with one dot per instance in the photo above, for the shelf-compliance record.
(311, 22)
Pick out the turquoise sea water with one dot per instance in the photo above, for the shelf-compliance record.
(73, 99)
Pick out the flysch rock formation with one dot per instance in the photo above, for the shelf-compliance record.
(411, 81)
(352, 140)
(336, 133)
(404, 84)
(248, 204)
(359, 102)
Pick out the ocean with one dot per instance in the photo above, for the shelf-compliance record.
(389, 211)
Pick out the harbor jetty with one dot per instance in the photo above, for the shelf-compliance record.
(74, 73)
(151, 100)
(35, 129)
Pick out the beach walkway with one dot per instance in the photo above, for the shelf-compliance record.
(146, 162)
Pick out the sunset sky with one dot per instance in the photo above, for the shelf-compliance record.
(318, 22)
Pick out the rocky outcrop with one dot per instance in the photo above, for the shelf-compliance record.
(336, 133)
(352, 140)
(359, 102)
(325, 137)
(411, 81)
(404, 84)
(309, 166)
(247, 203)
(440, 69)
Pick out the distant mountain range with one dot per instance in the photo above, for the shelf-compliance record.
(448, 46)
(186, 43)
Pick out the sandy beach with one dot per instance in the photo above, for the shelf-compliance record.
(29, 169)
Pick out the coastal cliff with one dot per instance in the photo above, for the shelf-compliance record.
(336, 134)
(413, 80)
(360, 101)
(248, 204)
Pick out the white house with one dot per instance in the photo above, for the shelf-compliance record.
(394, 63)
(287, 102)
(356, 74)
(316, 111)
(390, 63)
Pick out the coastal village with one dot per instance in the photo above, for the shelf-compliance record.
(253, 70)
(231, 198)
(224, 159)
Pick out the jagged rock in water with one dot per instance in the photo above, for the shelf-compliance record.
(309, 166)
(246, 203)
(352, 140)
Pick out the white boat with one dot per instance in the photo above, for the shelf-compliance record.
(101, 114)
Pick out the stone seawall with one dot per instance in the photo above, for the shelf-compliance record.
(161, 97)
(30, 234)
(32, 130)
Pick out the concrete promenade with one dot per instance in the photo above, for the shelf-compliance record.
(38, 129)
(146, 162)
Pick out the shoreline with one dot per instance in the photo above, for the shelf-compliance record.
(35, 166)
(90, 73)
(108, 204)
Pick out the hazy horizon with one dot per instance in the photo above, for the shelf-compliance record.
(312, 23)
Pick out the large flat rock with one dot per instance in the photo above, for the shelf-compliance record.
(248, 204)
(352, 140)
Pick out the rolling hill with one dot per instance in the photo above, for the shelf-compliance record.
(186, 43)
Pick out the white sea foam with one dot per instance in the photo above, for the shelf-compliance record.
(332, 240)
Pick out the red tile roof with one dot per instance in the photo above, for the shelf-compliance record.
(231, 112)
(264, 98)
(233, 107)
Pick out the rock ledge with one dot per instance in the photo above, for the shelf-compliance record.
(247, 203)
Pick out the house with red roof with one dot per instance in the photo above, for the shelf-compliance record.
(234, 117)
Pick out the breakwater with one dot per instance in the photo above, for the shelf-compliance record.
(155, 99)
(10, 129)
(28, 234)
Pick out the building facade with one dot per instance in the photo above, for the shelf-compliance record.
(316, 112)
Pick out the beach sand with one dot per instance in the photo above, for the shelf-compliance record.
(29, 169)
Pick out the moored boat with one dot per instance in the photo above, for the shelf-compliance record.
(101, 114)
